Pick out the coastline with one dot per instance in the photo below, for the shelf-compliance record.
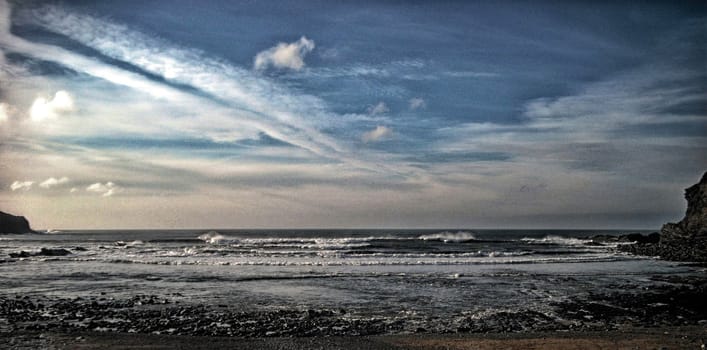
(685, 337)
(672, 314)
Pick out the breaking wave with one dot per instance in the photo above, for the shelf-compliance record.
(557, 240)
(447, 237)
(213, 237)
(216, 238)
(364, 261)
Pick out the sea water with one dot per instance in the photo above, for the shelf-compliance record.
(424, 274)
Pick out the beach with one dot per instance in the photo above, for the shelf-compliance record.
(374, 289)
(632, 338)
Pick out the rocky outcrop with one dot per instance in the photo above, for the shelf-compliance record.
(694, 225)
(625, 238)
(14, 224)
(685, 240)
(41, 252)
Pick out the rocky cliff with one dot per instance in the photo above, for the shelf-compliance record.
(685, 240)
(13, 224)
(694, 225)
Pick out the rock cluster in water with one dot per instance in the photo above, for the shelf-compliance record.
(685, 240)
(41, 252)
(13, 224)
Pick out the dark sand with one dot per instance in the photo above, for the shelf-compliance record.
(673, 316)
(631, 338)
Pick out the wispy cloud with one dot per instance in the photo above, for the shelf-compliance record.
(610, 126)
(244, 98)
(284, 55)
(378, 109)
(470, 74)
(417, 103)
(377, 134)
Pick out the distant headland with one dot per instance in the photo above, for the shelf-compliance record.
(14, 224)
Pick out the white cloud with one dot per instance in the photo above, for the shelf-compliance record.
(417, 103)
(106, 190)
(43, 109)
(284, 55)
(73, 189)
(21, 185)
(379, 108)
(51, 182)
(377, 134)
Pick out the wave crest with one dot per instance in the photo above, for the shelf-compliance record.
(213, 237)
(556, 240)
(447, 237)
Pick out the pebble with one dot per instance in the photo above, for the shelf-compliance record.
(676, 304)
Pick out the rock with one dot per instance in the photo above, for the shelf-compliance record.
(685, 240)
(41, 252)
(653, 238)
(640, 238)
(694, 224)
(21, 254)
(599, 240)
(14, 224)
(53, 252)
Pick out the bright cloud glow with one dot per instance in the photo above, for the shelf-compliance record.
(52, 182)
(4, 112)
(21, 185)
(43, 109)
(284, 55)
(377, 134)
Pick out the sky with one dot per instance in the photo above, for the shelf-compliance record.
(351, 114)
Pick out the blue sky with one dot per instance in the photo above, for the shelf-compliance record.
(139, 114)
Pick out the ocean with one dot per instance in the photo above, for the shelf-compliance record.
(426, 278)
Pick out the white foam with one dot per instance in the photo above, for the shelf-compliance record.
(128, 244)
(485, 259)
(447, 237)
(558, 240)
(213, 237)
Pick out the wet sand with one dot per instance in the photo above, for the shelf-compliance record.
(631, 338)
(671, 315)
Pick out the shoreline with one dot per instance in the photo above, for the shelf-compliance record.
(640, 318)
(685, 337)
